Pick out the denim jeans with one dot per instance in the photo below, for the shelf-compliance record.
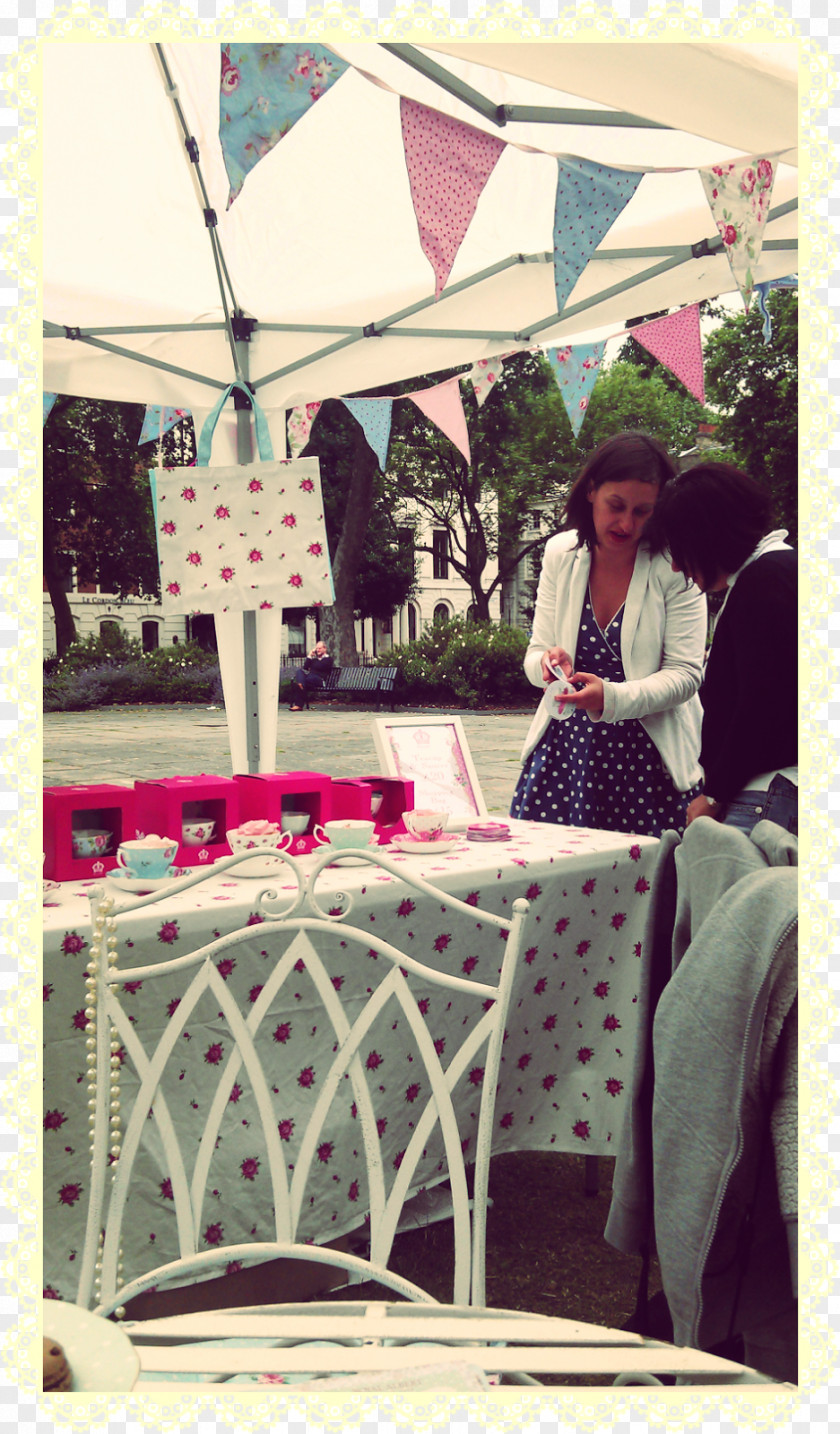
(779, 803)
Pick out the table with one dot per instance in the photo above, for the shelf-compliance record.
(565, 1066)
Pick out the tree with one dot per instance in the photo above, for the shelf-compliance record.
(97, 504)
(371, 575)
(755, 386)
(626, 396)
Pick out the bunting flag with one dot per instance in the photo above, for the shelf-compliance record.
(739, 197)
(158, 420)
(448, 165)
(791, 281)
(265, 89)
(483, 376)
(589, 199)
(374, 414)
(443, 406)
(299, 426)
(49, 400)
(675, 342)
(576, 367)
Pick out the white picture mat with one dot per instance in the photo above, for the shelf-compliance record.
(433, 753)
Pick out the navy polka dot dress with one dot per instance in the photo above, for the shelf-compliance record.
(607, 775)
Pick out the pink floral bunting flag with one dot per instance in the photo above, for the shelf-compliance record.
(675, 342)
(589, 199)
(484, 375)
(158, 420)
(448, 164)
(264, 91)
(299, 426)
(576, 367)
(442, 404)
(739, 197)
(244, 537)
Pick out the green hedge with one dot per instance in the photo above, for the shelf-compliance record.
(101, 671)
(473, 664)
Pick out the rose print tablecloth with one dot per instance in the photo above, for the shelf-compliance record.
(565, 1066)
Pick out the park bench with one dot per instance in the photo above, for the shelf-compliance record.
(376, 682)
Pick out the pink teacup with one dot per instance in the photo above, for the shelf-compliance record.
(426, 825)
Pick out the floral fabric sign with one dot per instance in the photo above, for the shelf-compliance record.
(265, 89)
(249, 536)
(576, 367)
(739, 198)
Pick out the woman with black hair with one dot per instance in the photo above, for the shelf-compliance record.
(716, 522)
(612, 616)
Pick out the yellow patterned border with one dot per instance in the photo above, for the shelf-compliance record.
(19, 511)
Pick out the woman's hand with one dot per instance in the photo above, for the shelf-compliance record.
(556, 657)
(702, 807)
(590, 696)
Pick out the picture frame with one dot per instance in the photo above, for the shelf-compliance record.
(433, 753)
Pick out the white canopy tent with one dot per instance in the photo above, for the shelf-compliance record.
(313, 284)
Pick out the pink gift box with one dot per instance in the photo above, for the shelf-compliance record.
(351, 797)
(100, 806)
(163, 805)
(266, 795)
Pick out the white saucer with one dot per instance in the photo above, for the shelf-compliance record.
(139, 885)
(101, 1356)
(256, 866)
(424, 848)
(353, 860)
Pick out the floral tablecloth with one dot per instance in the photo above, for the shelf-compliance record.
(566, 1061)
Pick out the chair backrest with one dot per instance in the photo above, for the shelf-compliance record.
(298, 939)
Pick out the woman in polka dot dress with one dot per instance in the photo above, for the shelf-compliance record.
(630, 634)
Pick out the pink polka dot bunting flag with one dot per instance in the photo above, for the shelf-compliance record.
(739, 196)
(589, 199)
(374, 414)
(443, 405)
(675, 342)
(576, 367)
(448, 164)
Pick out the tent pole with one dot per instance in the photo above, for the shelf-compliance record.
(244, 454)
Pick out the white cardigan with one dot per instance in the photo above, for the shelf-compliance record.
(663, 635)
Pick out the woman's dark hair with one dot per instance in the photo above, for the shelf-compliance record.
(626, 457)
(711, 519)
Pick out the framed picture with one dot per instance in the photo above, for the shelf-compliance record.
(432, 752)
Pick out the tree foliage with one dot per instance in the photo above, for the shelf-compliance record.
(97, 502)
(755, 387)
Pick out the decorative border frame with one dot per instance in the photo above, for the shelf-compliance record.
(389, 736)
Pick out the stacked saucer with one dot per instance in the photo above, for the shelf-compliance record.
(488, 831)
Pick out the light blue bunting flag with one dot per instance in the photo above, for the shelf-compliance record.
(159, 420)
(265, 89)
(576, 367)
(49, 400)
(791, 281)
(374, 414)
(590, 198)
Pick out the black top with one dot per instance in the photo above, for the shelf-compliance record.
(321, 665)
(750, 689)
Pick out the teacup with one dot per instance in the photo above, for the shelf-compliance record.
(425, 825)
(294, 822)
(346, 833)
(241, 839)
(149, 856)
(92, 841)
(197, 832)
(558, 710)
(376, 800)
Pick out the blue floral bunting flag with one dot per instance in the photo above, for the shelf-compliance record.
(158, 420)
(265, 89)
(49, 400)
(374, 414)
(576, 368)
(791, 281)
(590, 198)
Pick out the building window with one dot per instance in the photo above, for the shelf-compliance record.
(65, 563)
(440, 553)
(150, 632)
(412, 622)
(441, 613)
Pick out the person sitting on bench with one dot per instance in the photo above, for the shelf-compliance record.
(311, 676)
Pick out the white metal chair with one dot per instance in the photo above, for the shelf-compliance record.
(293, 929)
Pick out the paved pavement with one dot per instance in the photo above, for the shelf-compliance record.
(121, 744)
